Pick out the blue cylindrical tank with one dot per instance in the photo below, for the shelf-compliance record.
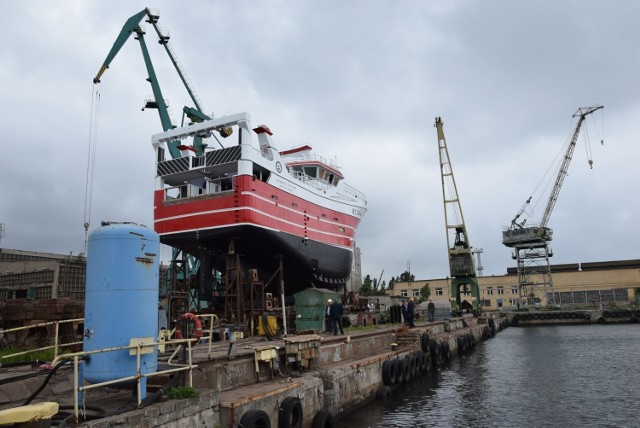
(121, 300)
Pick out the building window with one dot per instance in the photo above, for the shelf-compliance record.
(500, 290)
(513, 302)
(416, 293)
(438, 291)
(485, 303)
(514, 289)
(403, 293)
(490, 291)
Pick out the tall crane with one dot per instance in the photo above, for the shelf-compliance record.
(464, 281)
(132, 27)
(531, 243)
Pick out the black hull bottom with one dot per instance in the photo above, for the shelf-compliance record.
(306, 263)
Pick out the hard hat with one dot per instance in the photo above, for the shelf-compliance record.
(329, 301)
(411, 299)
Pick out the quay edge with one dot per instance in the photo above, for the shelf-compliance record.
(586, 316)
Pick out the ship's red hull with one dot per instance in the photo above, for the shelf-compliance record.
(315, 242)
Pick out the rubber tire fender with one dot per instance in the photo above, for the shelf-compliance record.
(460, 342)
(446, 352)
(397, 369)
(255, 419)
(388, 373)
(322, 419)
(384, 392)
(405, 370)
(413, 359)
(290, 414)
(423, 362)
(424, 342)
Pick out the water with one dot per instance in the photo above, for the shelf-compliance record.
(560, 376)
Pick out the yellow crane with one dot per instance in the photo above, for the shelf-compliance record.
(464, 281)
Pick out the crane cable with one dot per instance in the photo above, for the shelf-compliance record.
(91, 158)
(554, 167)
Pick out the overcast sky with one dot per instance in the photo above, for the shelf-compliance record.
(361, 81)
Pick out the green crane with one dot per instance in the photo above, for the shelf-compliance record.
(132, 26)
(183, 266)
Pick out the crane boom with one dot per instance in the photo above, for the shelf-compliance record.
(564, 167)
(132, 26)
(517, 234)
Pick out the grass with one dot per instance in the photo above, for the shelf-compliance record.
(180, 392)
(45, 355)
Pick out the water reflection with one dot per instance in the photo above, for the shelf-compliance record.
(568, 376)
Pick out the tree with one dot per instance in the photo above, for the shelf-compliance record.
(391, 281)
(425, 292)
(370, 287)
(406, 276)
(367, 286)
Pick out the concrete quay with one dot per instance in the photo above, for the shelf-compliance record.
(347, 371)
(335, 375)
(586, 316)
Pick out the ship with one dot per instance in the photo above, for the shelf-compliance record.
(290, 209)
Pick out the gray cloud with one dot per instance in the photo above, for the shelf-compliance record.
(361, 81)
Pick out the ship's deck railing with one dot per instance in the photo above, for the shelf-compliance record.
(56, 341)
(309, 155)
(348, 192)
(311, 181)
(354, 193)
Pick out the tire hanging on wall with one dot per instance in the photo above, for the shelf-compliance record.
(384, 392)
(322, 419)
(413, 361)
(388, 373)
(424, 342)
(255, 419)
(290, 414)
(397, 369)
(406, 370)
(424, 362)
(446, 352)
(460, 342)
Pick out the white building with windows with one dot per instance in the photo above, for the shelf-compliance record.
(614, 282)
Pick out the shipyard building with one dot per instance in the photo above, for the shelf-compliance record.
(609, 283)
